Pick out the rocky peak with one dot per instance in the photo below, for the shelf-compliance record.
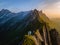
(37, 12)
(5, 11)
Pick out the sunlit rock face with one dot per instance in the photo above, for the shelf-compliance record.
(14, 26)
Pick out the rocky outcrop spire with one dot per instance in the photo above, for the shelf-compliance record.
(35, 12)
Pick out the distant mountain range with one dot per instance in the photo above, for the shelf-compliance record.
(13, 26)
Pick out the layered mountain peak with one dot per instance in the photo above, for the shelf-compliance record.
(37, 13)
(35, 10)
(5, 10)
(40, 16)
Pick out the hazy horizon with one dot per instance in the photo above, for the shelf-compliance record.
(50, 7)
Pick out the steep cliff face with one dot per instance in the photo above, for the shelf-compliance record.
(44, 35)
(14, 26)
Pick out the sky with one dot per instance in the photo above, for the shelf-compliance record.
(50, 7)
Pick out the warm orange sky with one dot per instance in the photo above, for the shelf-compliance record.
(51, 8)
(53, 11)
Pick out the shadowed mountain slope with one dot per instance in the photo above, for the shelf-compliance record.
(14, 26)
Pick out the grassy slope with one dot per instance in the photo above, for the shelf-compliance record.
(52, 23)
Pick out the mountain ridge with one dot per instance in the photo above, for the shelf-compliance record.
(14, 26)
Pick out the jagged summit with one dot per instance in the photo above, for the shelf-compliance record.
(5, 10)
(37, 11)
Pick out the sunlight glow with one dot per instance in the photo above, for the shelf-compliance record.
(53, 11)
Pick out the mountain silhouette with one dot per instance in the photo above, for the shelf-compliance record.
(14, 26)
